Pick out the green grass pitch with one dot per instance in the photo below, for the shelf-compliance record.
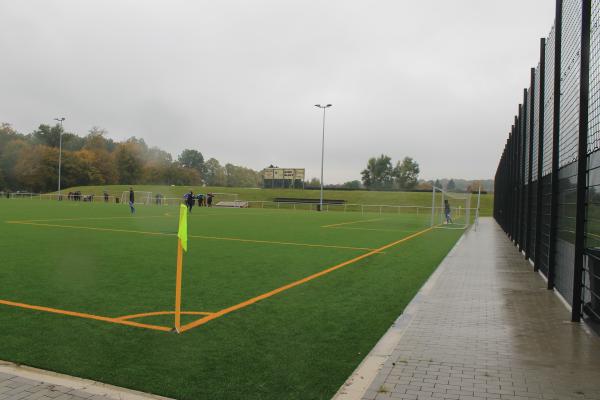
(301, 343)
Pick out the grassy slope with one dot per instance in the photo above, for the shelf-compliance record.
(354, 197)
(300, 344)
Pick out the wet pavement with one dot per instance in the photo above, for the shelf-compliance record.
(488, 328)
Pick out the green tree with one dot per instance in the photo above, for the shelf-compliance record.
(47, 135)
(129, 164)
(10, 153)
(72, 142)
(379, 172)
(8, 134)
(438, 184)
(192, 159)
(214, 173)
(156, 155)
(352, 184)
(241, 176)
(176, 174)
(95, 140)
(36, 169)
(451, 185)
(407, 173)
(314, 182)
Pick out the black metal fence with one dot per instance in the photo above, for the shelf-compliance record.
(547, 186)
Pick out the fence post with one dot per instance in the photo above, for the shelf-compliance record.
(540, 186)
(522, 148)
(584, 96)
(555, 144)
(530, 115)
(515, 183)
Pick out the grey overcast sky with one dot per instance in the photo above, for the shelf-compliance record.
(437, 80)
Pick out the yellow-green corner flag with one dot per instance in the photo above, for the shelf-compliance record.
(182, 232)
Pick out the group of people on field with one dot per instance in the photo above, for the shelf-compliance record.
(189, 199)
(203, 200)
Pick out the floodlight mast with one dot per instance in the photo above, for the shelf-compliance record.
(60, 121)
(325, 107)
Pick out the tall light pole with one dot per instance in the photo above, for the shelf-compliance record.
(60, 121)
(325, 107)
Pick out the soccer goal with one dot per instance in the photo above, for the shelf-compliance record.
(451, 210)
(140, 197)
(228, 200)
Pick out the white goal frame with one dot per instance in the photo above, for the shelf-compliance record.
(464, 209)
(141, 197)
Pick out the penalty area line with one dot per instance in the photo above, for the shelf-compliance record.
(230, 239)
(352, 222)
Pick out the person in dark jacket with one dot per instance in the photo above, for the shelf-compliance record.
(448, 212)
(189, 200)
(131, 200)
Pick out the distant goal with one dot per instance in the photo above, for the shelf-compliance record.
(228, 200)
(452, 210)
(140, 197)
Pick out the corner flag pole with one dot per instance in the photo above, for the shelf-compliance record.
(181, 246)
(178, 287)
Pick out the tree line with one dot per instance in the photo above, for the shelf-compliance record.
(380, 173)
(30, 162)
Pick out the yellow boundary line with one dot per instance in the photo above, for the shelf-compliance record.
(83, 219)
(85, 315)
(166, 215)
(369, 229)
(126, 319)
(191, 236)
(263, 296)
(352, 222)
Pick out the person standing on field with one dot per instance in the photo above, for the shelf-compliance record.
(209, 198)
(447, 212)
(131, 200)
(190, 200)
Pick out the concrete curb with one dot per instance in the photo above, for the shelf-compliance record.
(84, 385)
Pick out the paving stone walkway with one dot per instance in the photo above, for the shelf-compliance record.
(24, 383)
(13, 387)
(488, 329)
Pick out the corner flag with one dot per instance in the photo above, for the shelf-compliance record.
(182, 232)
(181, 246)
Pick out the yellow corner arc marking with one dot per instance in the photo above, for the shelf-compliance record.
(156, 313)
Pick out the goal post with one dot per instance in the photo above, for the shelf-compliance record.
(140, 197)
(451, 210)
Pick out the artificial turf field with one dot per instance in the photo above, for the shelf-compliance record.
(263, 323)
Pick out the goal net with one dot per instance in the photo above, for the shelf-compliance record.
(451, 210)
(228, 200)
(140, 197)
